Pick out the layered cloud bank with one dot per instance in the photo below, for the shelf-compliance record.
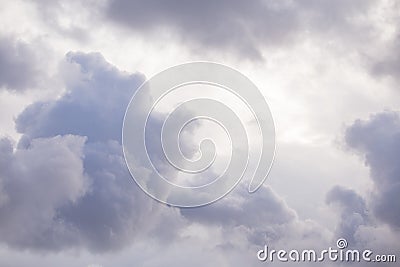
(240, 27)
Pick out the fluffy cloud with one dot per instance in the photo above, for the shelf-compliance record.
(353, 211)
(35, 181)
(100, 207)
(104, 214)
(93, 106)
(378, 141)
(359, 226)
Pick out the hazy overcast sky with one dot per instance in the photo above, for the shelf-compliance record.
(329, 71)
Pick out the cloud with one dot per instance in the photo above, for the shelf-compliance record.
(93, 106)
(87, 199)
(383, 59)
(353, 211)
(388, 62)
(246, 223)
(256, 216)
(36, 181)
(19, 69)
(251, 211)
(73, 19)
(378, 141)
(359, 226)
(103, 209)
(216, 24)
(106, 213)
(237, 26)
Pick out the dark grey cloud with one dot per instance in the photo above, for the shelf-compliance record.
(333, 17)
(215, 24)
(384, 61)
(388, 62)
(378, 141)
(242, 27)
(19, 69)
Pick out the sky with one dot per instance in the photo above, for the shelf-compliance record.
(329, 71)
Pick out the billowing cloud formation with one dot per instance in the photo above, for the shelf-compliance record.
(34, 182)
(77, 191)
(353, 211)
(65, 184)
(93, 106)
(18, 68)
(71, 152)
(102, 215)
(240, 26)
(378, 140)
